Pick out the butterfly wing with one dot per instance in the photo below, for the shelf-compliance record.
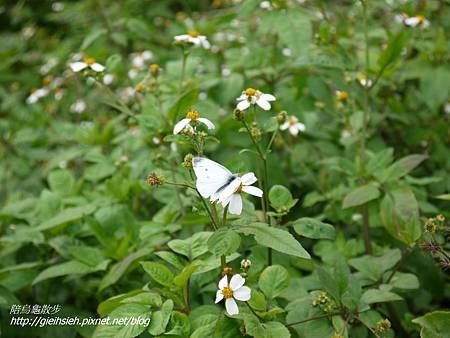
(211, 176)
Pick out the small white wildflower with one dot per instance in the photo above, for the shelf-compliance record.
(37, 94)
(286, 51)
(191, 116)
(78, 106)
(447, 108)
(293, 125)
(266, 5)
(226, 72)
(108, 79)
(87, 63)
(252, 96)
(57, 6)
(364, 81)
(414, 21)
(231, 195)
(140, 59)
(202, 96)
(234, 290)
(193, 38)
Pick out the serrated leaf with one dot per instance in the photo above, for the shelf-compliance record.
(273, 281)
(313, 228)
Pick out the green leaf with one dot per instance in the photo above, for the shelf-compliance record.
(226, 328)
(68, 268)
(134, 317)
(181, 279)
(182, 104)
(434, 324)
(405, 281)
(138, 28)
(328, 283)
(159, 273)
(224, 242)
(277, 239)
(67, 215)
(273, 281)
(341, 275)
(178, 325)
(361, 195)
(7, 298)
(403, 166)
(110, 304)
(191, 247)
(281, 199)
(399, 212)
(379, 296)
(313, 228)
(161, 318)
(61, 181)
(435, 87)
(394, 49)
(91, 37)
(276, 330)
(113, 62)
(120, 268)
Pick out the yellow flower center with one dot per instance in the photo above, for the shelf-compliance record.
(239, 189)
(193, 34)
(227, 292)
(89, 61)
(193, 115)
(46, 80)
(292, 121)
(421, 18)
(342, 95)
(250, 91)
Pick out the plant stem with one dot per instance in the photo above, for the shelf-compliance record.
(183, 67)
(252, 310)
(264, 185)
(223, 258)
(366, 229)
(399, 263)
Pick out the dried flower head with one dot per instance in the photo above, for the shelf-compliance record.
(383, 325)
(187, 162)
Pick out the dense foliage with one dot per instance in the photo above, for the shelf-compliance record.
(342, 115)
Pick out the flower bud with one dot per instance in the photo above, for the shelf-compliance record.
(187, 162)
(440, 218)
(281, 117)
(227, 271)
(383, 325)
(430, 226)
(154, 69)
(154, 179)
(238, 115)
(246, 264)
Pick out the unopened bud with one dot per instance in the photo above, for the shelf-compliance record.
(227, 271)
(154, 69)
(187, 162)
(256, 132)
(383, 325)
(281, 117)
(246, 264)
(440, 218)
(238, 115)
(430, 226)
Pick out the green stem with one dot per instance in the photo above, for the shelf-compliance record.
(183, 67)
(315, 318)
(366, 229)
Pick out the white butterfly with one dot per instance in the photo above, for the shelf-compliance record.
(217, 183)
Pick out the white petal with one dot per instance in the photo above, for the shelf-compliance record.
(243, 105)
(78, 66)
(97, 67)
(267, 97)
(225, 201)
(207, 122)
(263, 104)
(301, 126)
(248, 179)
(285, 126)
(235, 207)
(231, 306)
(223, 282)
(252, 190)
(180, 125)
(242, 97)
(230, 189)
(293, 130)
(236, 282)
(219, 296)
(243, 294)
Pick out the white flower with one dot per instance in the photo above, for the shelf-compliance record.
(139, 59)
(414, 21)
(447, 108)
(253, 96)
(266, 5)
(193, 38)
(87, 63)
(108, 79)
(293, 125)
(191, 115)
(231, 195)
(78, 106)
(232, 291)
(37, 94)
(364, 81)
